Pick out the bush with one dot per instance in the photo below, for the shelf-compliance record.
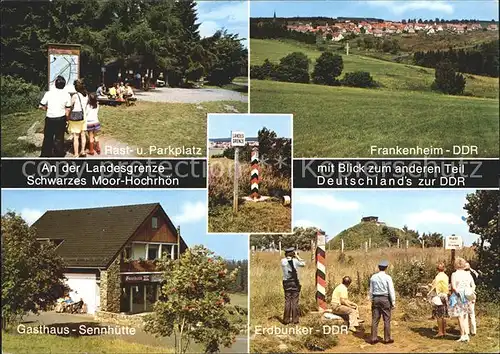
(359, 79)
(327, 68)
(293, 68)
(408, 276)
(194, 72)
(256, 72)
(447, 80)
(18, 95)
(265, 71)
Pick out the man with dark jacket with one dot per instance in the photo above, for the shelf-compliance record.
(291, 285)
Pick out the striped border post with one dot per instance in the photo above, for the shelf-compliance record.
(254, 174)
(321, 270)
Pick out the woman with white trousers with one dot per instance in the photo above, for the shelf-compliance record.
(463, 286)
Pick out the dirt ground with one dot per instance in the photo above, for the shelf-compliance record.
(415, 335)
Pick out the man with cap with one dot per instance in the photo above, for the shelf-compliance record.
(291, 285)
(383, 299)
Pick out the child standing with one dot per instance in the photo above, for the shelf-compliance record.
(93, 124)
(77, 118)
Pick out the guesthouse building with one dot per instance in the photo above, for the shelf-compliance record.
(111, 253)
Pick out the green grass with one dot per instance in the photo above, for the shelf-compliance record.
(345, 122)
(243, 89)
(268, 216)
(390, 75)
(143, 125)
(239, 299)
(16, 343)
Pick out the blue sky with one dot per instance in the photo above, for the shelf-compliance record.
(221, 125)
(185, 208)
(231, 15)
(389, 10)
(422, 210)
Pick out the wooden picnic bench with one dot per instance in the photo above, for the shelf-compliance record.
(114, 103)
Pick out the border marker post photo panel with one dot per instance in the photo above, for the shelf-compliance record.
(321, 271)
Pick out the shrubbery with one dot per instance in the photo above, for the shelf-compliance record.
(359, 79)
(17, 95)
(447, 80)
(328, 67)
(295, 68)
(265, 71)
(409, 275)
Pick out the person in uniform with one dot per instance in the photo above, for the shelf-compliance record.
(341, 305)
(383, 297)
(291, 285)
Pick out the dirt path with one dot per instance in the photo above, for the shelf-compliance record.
(416, 335)
(179, 95)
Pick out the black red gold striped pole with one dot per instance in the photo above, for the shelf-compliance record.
(321, 270)
(254, 174)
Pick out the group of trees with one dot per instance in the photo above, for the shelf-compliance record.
(274, 151)
(386, 45)
(274, 30)
(483, 59)
(240, 284)
(301, 238)
(295, 68)
(483, 215)
(162, 36)
(447, 80)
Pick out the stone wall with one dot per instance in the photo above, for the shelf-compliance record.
(110, 290)
(120, 319)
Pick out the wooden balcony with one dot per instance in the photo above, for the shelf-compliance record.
(138, 266)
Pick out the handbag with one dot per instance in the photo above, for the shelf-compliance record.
(77, 116)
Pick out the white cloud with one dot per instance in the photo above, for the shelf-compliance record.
(229, 11)
(208, 28)
(432, 217)
(305, 223)
(31, 215)
(325, 201)
(191, 212)
(400, 7)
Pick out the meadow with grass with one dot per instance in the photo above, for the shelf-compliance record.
(403, 111)
(412, 328)
(266, 216)
(140, 126)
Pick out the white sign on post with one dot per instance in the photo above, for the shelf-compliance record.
(453, 242)
(237, 139)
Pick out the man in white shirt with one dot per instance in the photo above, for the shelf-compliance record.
(383, 297)
(291, 285)
(57, 104)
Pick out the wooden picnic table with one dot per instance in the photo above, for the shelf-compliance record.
(115, 102)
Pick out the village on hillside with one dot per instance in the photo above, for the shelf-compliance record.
(341, 29)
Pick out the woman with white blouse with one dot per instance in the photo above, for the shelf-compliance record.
(463, 287)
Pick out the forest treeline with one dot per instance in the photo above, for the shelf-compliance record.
(274, 30)
(162, 36)
(480, 60)
(241, 282)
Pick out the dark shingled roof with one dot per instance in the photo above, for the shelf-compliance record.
(92, 237)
